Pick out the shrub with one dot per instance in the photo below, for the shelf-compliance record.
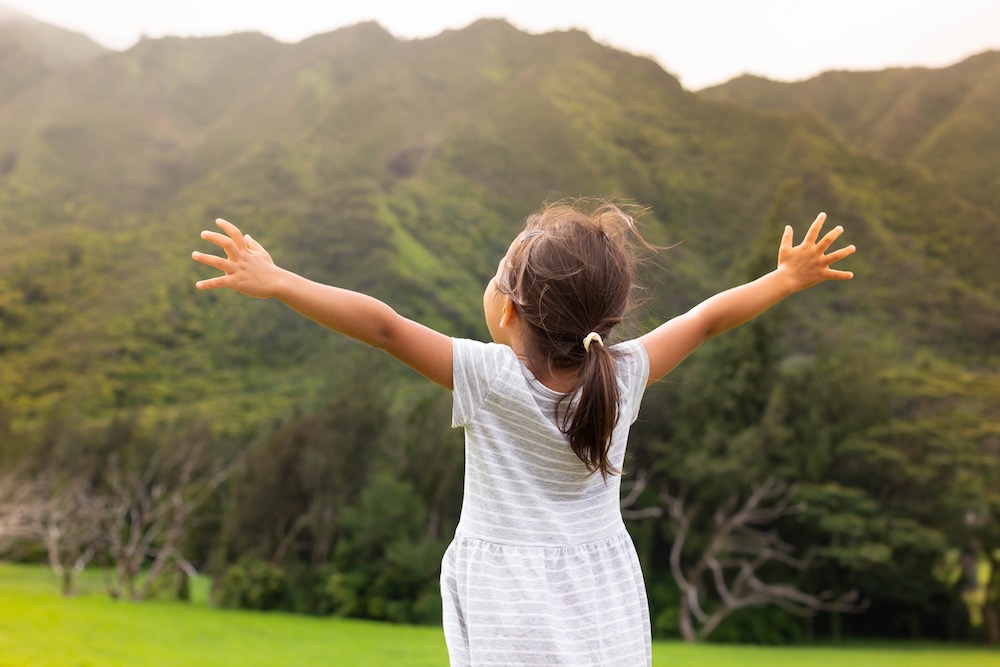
(255, 584)
(347, 591)
(769, 626)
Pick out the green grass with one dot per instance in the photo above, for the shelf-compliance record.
(38, 628)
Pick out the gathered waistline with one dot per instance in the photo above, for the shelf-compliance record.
(610, 540)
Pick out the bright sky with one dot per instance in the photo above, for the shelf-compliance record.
(703, 42)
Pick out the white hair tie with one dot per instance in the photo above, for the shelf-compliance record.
(592, 336)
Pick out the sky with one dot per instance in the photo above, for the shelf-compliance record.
(702, 42)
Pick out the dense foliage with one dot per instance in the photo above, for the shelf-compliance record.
(402, 168)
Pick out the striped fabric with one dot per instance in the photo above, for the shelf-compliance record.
(541, 570)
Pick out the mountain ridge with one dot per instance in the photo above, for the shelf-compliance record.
(939, 119)
(403, 168)
(31, 49)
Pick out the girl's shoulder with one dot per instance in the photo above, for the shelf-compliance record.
(631, 353)
(473, 357)
(476, 366)
(632, 369)
(468, 348)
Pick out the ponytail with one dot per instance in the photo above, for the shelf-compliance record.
(569, 273)
(590, 423)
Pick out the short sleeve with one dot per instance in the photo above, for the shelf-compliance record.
(632, 363)
(476, 369)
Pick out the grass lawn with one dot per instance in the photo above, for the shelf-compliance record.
(38, 628)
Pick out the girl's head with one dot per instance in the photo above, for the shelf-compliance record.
(569, 273)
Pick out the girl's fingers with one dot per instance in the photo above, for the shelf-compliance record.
(786, 237)
(814, 228)
(838, 255)
(232, 242)
(834, 274)
(220, 240)
(252, 243)
(234, 233)
(214, 261)
(785, 248)
(829, 238)
(212, 283)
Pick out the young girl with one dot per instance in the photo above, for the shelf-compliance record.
(541, 570)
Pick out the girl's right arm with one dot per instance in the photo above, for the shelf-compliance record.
(250, 270)
(799, 268)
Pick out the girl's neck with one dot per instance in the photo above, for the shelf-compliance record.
(562, 380)
(557, 379)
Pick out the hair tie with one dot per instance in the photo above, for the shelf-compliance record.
(592, 336)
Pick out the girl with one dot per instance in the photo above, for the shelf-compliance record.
(541, 570)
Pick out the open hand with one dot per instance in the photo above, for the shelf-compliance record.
(808, 263)
(248, 267)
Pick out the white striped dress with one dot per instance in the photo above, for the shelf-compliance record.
(541, 570)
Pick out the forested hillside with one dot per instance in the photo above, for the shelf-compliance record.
(403, 168)
(943, 120)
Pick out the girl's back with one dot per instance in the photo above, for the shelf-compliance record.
(523, 484)
(541, 570)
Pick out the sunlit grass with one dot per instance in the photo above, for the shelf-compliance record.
(38, 628)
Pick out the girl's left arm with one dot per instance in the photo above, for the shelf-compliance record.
(799, 268)
(250, 270)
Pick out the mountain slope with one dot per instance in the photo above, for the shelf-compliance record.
(30, 49)
(943, 120)
(403, 168)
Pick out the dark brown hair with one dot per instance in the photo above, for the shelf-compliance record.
(570, 274)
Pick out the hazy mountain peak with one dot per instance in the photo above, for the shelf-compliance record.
(366, 33)
(33, 49)
(11, 14)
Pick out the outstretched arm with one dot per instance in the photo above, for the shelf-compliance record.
(799, 267)
(250, 270)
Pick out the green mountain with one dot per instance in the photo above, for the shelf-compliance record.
(943, 120)
(31, 50)
(403, 168)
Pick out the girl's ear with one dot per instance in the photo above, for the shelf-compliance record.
(508, 312)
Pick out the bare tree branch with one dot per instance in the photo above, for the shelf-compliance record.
(632, 492)
(22, 505)
(726, 570)
(74, 530)
(151, 510)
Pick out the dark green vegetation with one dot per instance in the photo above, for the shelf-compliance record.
(403, 169)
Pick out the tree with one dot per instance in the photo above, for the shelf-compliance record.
(21, 509)
(290, 497)
(73, 529)
(385, 564)
(149, 510)
(725, 574)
